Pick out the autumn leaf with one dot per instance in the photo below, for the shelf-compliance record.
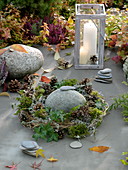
(12, 167)
(36, 166)
(4, 94)
(39, 152)
(2, 51)
(114, 37)
(52, 159)
(117, 59)
(45, 79)
(56, 55)
(36, 74)
(70, 20)
(100, 149)
(6, 34)
(49, 70)
(18, 47)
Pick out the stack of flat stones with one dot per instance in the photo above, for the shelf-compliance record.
(104, 76)
(29, 147)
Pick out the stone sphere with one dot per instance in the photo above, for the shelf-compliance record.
(21, 63)
(64, 100)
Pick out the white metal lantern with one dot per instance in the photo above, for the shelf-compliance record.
(89, 36)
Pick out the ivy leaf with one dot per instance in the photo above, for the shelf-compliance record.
(53, 137)
(100, 149)
(40, 152)
(45, 132)
(52, 159)
(36, 136)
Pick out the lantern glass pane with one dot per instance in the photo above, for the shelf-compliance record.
(89, 38)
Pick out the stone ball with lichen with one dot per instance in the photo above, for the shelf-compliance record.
(64, 100)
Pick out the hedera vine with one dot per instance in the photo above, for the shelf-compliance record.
(122, 102)
(51, 124)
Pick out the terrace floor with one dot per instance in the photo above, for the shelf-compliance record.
(113, 132)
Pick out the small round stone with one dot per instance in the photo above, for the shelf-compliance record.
(22, 63)
(76, 145)
(105, 75)
(101, 74)
(29, 144)
(64, 100)
(66, 88)
(105, 71)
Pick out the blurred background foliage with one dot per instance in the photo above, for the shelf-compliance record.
(53, 22)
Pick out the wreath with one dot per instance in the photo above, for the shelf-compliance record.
(52, 125)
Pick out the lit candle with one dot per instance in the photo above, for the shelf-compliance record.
(84, 55)
(90, 37)
(89, 47)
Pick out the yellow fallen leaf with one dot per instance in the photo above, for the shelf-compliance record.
(100, 149)
(39, 152)
(70, 20)
(4, 94)
(52, 159)
(18, 47)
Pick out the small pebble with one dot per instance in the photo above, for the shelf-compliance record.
(66, 88)
(29, 144)
(107, 74)
(75, 144)
(105, 77)
(103, 80)
(105, 71)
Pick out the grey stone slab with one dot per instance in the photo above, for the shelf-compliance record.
(113, 132)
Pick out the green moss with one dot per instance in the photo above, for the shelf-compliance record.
(96, 94)
(95, 113)
(80, 130)
(67, 82)
(41, 113)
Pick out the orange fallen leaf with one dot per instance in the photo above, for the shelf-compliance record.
(36, 74)
(2, 51)
(18, 47)
(45, 79)
(100, 149)
(52, 159)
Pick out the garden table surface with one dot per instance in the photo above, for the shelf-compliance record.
(113, 132)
